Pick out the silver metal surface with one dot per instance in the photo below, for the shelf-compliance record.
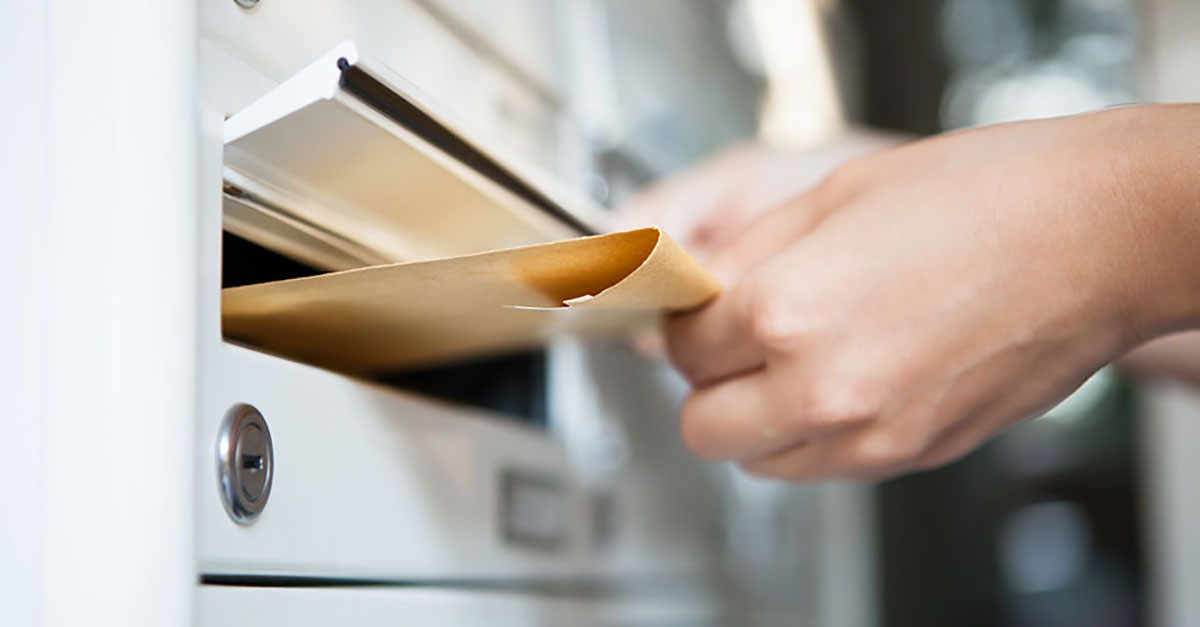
(246, 4)
(245, 463)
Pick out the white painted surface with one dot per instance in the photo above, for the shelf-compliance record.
(1171, 428)
(379, 607)
(523, 32)
(97, 163)
(849, 596)
(278, 38)
(343, 165)
(370, 482)
(1171, 50)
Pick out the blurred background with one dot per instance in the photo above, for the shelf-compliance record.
(1064, 520)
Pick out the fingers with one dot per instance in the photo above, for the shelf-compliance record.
(867, 451)
(735, 419)
(904, 441)
(713, 231)
(759, 319)
(739, 330)
(699, 207)
(759, 414)
(766, 236)
(713, 343)
(804, 461)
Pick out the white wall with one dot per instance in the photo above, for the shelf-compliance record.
(97, 168)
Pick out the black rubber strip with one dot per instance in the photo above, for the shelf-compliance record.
(574, 587)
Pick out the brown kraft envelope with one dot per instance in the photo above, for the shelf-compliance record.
(382, 319)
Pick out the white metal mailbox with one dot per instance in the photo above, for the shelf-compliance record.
(165, 476)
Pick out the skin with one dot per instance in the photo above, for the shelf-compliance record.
(917, 301)
(1175, 356)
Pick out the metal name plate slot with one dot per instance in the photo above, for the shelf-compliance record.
(347, 156)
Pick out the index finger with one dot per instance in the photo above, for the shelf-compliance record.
(712, 343)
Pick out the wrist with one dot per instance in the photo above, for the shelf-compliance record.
(1154, 159)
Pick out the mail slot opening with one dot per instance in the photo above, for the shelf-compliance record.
(390, 243)
(513, 385)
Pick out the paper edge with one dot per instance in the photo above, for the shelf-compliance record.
(659, 233)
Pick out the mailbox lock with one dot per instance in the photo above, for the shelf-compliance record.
(245, 463)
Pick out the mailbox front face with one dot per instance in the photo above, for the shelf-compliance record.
(483, 472)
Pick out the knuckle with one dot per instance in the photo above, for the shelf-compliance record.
(818, 416)
(768, 319)
(841, 182)
(888, 450)
(832, 419)
(834, 406)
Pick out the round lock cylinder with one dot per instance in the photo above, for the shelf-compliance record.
(245, 463)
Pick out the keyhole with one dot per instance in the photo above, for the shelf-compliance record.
(245, 460)
(252, 463)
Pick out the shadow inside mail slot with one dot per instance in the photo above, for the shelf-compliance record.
(511, 384)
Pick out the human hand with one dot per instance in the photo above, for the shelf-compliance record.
(919, 300)
(705, 207)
